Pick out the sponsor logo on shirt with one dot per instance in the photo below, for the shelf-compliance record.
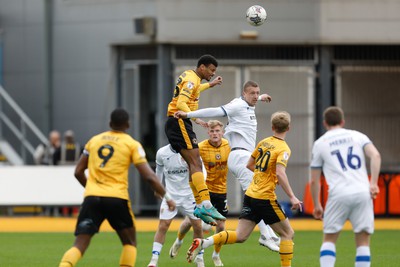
(190, 85)
(178, 171)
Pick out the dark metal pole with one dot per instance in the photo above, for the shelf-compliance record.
(324, 92)
(48, 44)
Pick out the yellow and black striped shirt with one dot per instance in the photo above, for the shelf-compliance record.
(215, 160)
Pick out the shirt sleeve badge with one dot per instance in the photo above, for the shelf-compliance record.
(285, 155)
(190, 85)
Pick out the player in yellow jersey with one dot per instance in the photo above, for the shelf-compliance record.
(181, 136)
(108, 156)
(268, 161)
(214, 152)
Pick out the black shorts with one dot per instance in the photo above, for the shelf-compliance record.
(219, 202)
(95, 210)
(180, 134)
(260, 209)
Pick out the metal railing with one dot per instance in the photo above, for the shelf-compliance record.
(19, 127)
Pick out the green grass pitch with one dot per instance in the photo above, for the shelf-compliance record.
(46, 249)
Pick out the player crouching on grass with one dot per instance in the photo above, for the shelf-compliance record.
(268, 161)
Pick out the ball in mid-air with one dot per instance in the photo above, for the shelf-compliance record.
(256, 15)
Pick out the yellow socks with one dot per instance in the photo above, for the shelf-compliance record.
(195, 193)
(200, 185)
(128, 256)
(286, 252)
(127, 259)
(71, 257)
(217, 248)
(224, 237)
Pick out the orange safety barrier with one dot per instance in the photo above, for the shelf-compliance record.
(394, 195)
(307, 200)
(380, 200)
(388, 200)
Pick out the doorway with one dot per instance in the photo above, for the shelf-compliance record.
(138, 96)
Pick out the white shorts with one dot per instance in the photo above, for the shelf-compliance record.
(357, 208)
(237, 162)
(185, 206)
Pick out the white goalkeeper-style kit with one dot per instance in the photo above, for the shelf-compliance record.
(241, 133)
(340, 155)
(173, 169)
(241, 130)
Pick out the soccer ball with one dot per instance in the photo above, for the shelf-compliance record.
(256, 15)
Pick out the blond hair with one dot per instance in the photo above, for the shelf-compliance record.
(214, 123)
(280, 120)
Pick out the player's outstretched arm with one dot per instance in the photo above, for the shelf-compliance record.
(216, 81)
(201, 113)
(149, 176)
(265, 98)
(201, 122)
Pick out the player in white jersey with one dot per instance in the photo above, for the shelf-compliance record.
(171, 167)
(340, 155)
(241, 133)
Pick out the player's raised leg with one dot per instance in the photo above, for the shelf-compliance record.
(242, 233)
(197, 181)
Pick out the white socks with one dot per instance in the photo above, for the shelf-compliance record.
(270, 231)
(208, 242)
(266, 230)
(363, 257)
(207, 204)
(200, 255)
(327, 256)
(157, 247)
(215, 254)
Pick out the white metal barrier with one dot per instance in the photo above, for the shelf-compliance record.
(39, 186)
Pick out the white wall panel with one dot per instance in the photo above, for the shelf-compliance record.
(292, 90)
(369, 96)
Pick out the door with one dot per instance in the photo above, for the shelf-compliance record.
(137, 96)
